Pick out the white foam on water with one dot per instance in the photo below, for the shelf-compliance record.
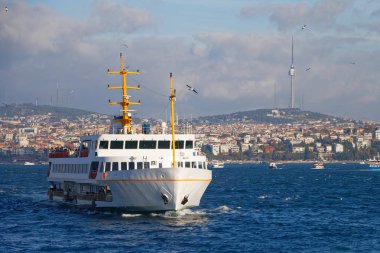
(129, 215)
(263, 197)
(224, 209)
(292, 198)
(178, 214)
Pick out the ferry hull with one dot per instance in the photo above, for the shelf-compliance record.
(152, 190)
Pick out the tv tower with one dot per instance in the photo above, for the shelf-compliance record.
(292, 71)
(292, 74)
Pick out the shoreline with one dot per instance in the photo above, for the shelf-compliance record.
(297, 162)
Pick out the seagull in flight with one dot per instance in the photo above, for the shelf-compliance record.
(191, 88)
(303, 27)
(308, 69)
(353, 63)
(6, 9)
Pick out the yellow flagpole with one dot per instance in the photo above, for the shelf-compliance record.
(172, 99)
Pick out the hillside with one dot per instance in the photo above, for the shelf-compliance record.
(24, 110)
(273, 116)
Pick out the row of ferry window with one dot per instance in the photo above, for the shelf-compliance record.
(144, 144)
(70, 168)
(114, 166)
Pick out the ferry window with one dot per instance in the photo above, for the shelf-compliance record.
(204, 165)
(101, 167)
(147, 144)
(131, 165)
(187, 164)
(115, 166)
(131, 145)
(123, 166)
(199, 165)
(163, 144)
(189, 144)
(116, 144)
(146, 165)
(179, 144)
(193, 164)
(108, 166)
(139, 165)
(103, 145)
(94, 166)
(160, 165)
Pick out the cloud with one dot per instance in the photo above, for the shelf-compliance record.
(291, 16)
(231, 71)
(108, 16)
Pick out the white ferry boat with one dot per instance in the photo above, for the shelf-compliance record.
(135, 172)
(374, 163)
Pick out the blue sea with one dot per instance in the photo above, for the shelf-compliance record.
(247, 208)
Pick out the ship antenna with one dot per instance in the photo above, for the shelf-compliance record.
(172, 99)
(126, 119)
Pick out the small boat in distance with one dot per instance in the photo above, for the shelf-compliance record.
(216, 164)
(318, 165)
(374, 163)
(272, 165)
(29, 163)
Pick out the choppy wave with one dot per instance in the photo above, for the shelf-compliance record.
(130, 215)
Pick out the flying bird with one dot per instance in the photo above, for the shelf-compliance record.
(353, 63)
(303, 27)
(308, 69)
(6, 9)
(191, 89)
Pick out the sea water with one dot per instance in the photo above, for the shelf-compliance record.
(246, 208)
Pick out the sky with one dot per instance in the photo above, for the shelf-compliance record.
(236, 54)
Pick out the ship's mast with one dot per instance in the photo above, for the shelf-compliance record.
(172, 99)
(126, 119)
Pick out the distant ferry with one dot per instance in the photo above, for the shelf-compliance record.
(374, 163)
(216, 164)
(318, 165)
(135, 172)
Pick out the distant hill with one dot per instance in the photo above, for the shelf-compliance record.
(274, 116)
(23, 110)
